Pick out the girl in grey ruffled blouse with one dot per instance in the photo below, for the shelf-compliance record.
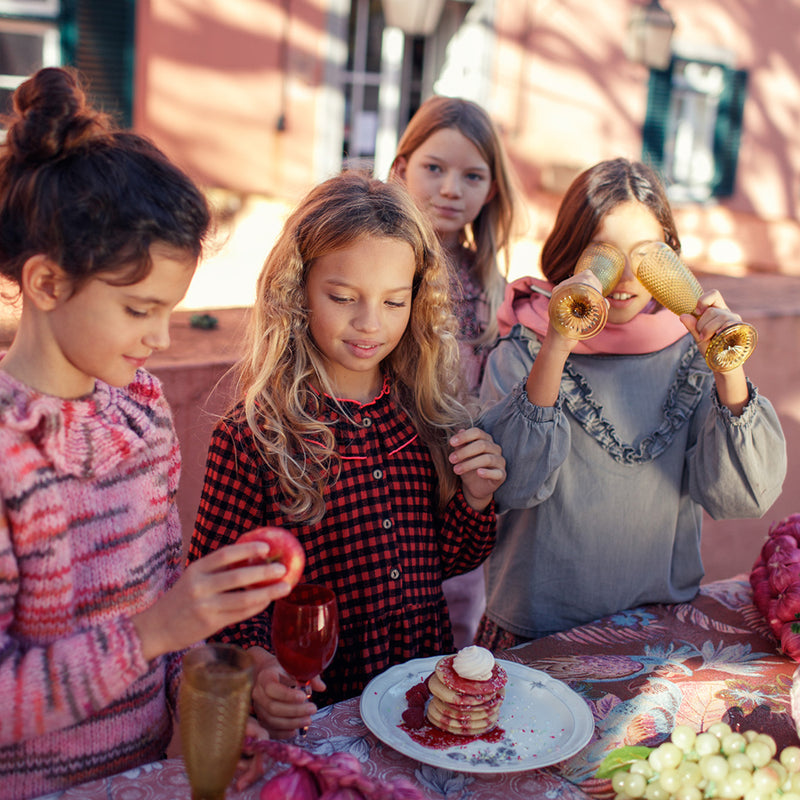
(615, 444)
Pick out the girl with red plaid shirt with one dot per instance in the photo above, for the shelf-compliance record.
(349, 431)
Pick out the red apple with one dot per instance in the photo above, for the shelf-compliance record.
(283, 547)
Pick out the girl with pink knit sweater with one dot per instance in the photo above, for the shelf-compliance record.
(101, 234)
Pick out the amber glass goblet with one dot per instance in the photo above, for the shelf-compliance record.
(213, 706)
(578, 310)
(662, 272)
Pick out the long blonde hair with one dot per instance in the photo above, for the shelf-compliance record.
(491, 231)
(283, 373)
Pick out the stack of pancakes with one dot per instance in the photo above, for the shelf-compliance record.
(462, 706)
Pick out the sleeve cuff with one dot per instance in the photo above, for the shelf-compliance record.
(748, 412)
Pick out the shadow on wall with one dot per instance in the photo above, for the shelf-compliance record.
(196, 372)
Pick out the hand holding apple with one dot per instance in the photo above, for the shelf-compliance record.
(284, 547)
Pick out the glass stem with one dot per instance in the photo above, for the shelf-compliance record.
(307, 689)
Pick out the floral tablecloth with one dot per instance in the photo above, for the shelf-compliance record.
(646, 670)
(641, 672)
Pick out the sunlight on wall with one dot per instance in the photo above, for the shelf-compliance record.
(728, 252)
(227, 277)
(525, 259)
(710, 240)
(691, 247)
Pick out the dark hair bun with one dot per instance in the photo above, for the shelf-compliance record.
(51, 117)
(90, 196)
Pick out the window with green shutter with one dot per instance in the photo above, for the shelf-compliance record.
(29, 40)
(95, 36)
(693, 127)
(98, 39)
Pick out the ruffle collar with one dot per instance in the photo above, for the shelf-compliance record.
(682, 399)
(353, 422)
(332, 402)
(86, 437)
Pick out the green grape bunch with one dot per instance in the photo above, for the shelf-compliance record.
(717, 763)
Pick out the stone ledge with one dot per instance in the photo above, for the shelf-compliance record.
(756, 295)
(220, 345)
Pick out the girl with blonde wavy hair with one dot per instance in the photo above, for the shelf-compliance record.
(350, 431)
(452, 160)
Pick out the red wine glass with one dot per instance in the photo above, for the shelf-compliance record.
(305, 632)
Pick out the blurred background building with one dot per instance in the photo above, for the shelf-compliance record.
(261, 99)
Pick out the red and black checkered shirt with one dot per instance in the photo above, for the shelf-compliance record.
(381, 545)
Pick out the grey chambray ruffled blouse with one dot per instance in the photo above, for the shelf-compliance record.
(602, 507)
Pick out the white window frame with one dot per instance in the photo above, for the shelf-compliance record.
(51, 50)
(51, 46)
(689, 152)
(31, 8)
(361, 123)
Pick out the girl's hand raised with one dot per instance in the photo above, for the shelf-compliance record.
(480, 463)
(212, 593)
(711, 315)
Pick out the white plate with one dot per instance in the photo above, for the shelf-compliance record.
(543, 719)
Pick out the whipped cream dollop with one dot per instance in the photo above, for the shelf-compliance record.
(474, 663)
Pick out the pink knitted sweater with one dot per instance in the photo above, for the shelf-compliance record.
(89, 535)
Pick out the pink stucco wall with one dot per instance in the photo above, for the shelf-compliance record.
(567, 97)
(212, 79)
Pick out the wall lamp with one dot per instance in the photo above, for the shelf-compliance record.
(413, 17)
(649, 39)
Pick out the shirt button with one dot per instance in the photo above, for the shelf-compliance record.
(394, 574)
(377, 474)
(366, 422)
(387, 523)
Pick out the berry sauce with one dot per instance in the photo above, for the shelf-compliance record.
(417, 726)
